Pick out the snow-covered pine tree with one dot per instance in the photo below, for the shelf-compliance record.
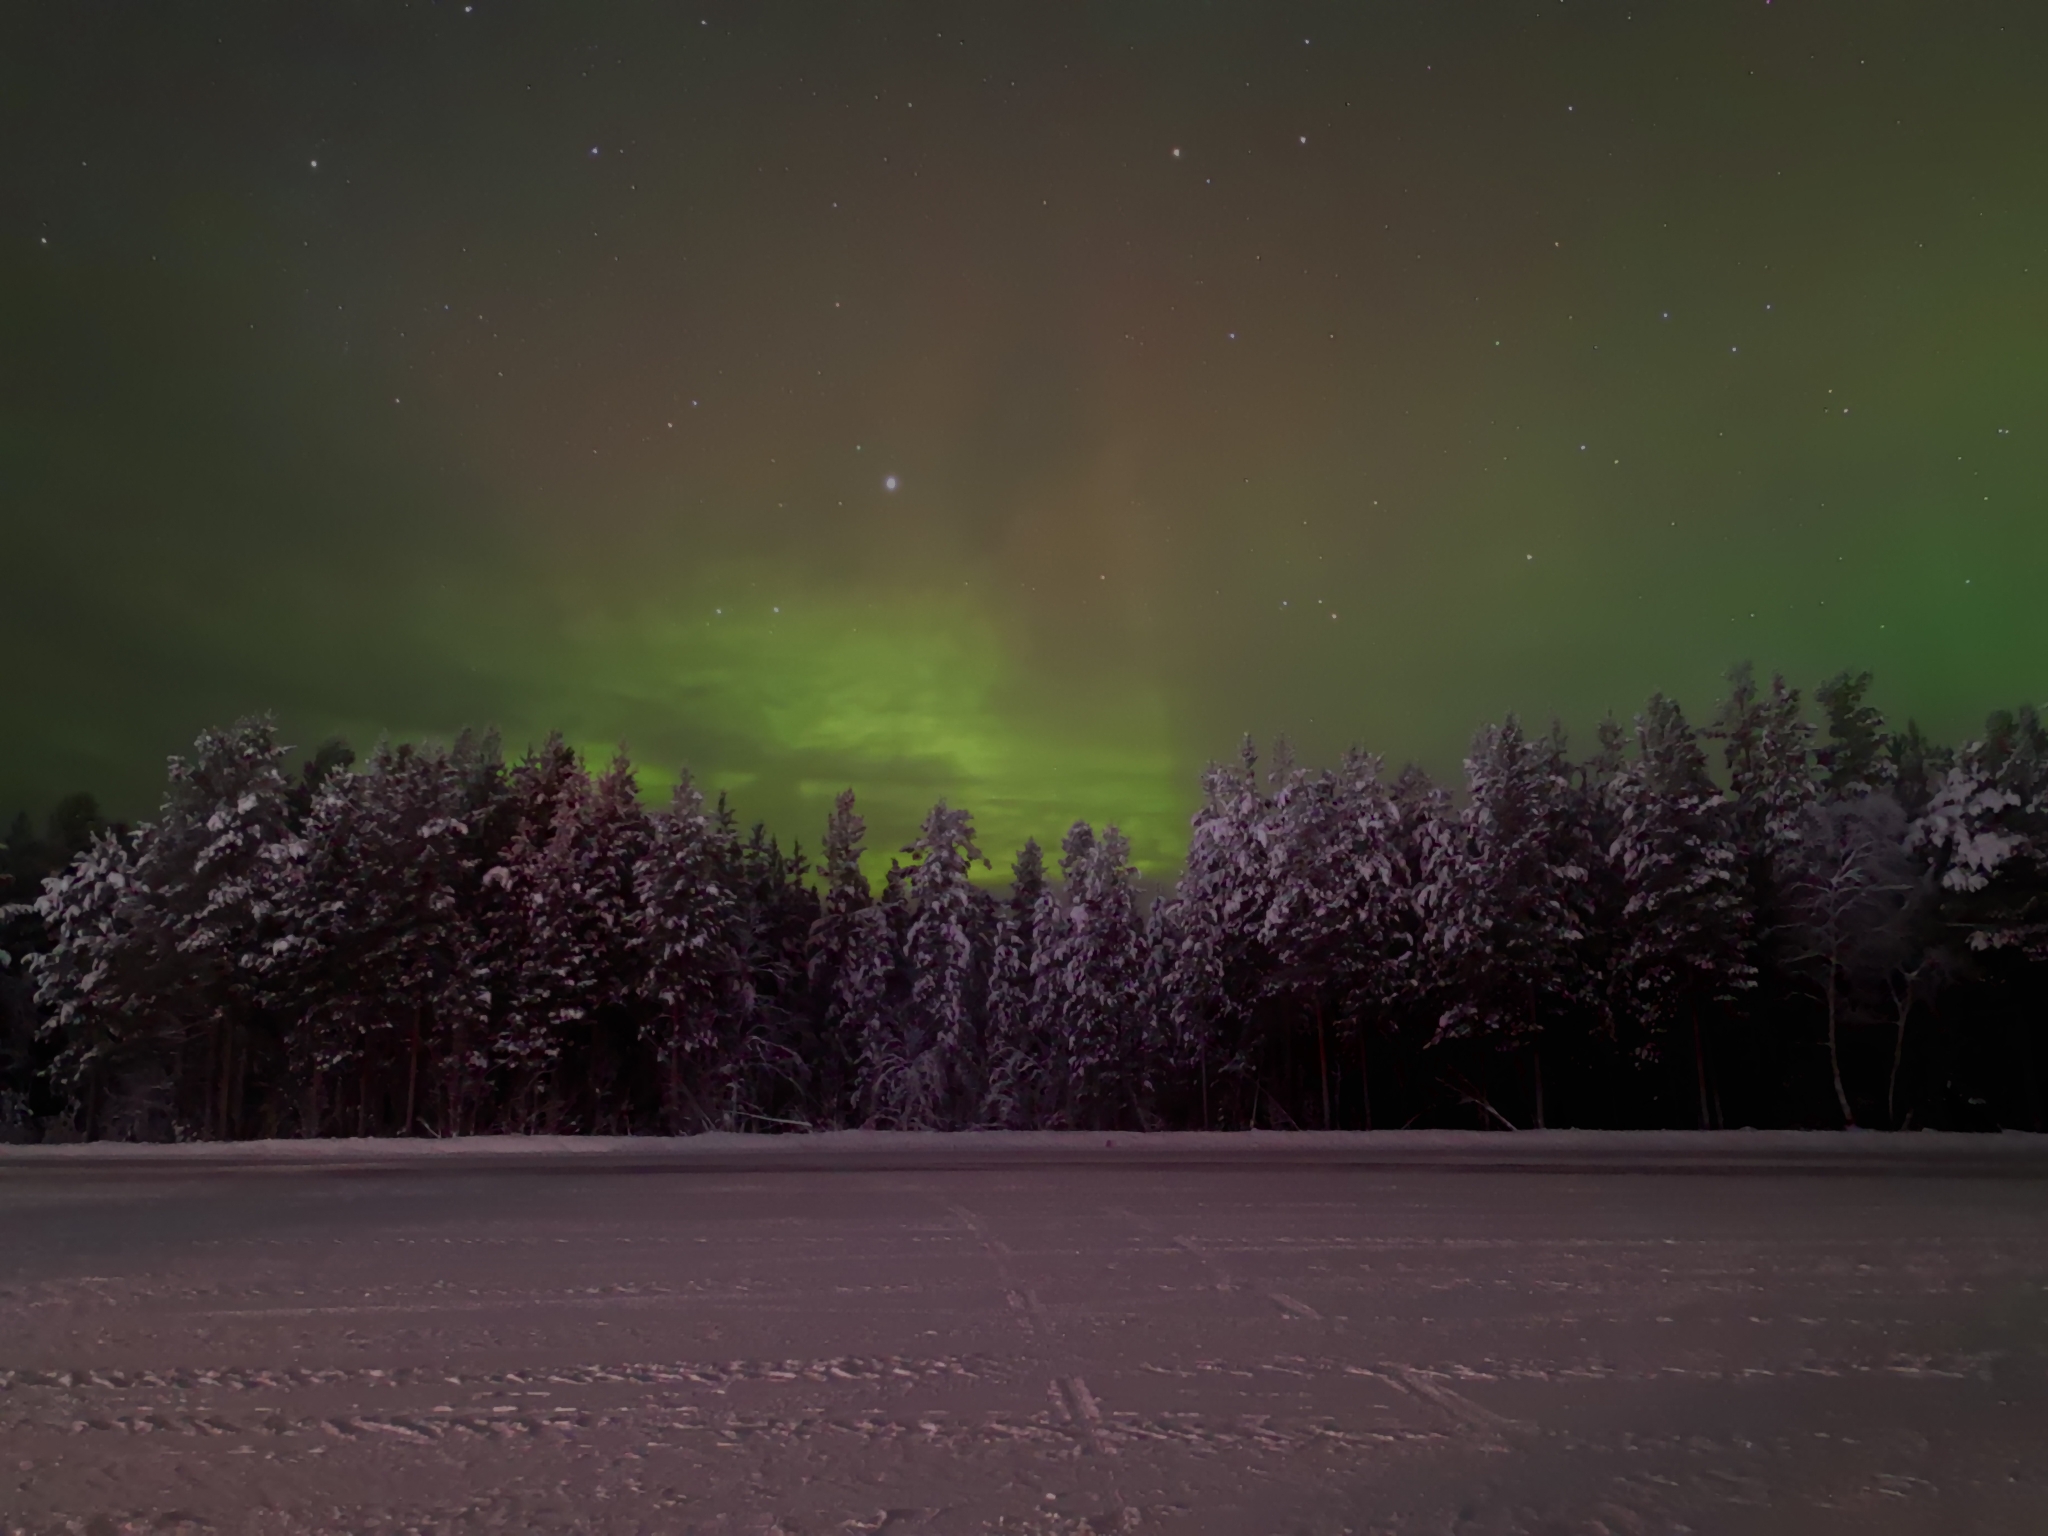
(1098, 969)
(1854, 761)
(832, 939)
(1013, 1062)
(1220, 963)
(1052, 981)
(948, 966)
(1336, 889)
(768, 1078)
(1161, 1089)
(154, 1007)
(1606, 894)
(1984, 834)
(98, 977)
(490, 815)
(1504, 898)
(570, 869)
(369, 954)
(205, 867)
(332, 756)
(1918, 766)
(1891, 779)
(517, 1041)
(593, 939)
(1682, 945)
(872, 995)
(1768, 748)
(1848, 895)
(684, 920)
(1044, 1085)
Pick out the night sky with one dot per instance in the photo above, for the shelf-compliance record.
(1013, 403)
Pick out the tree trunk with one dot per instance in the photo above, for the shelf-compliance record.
(227, 1077)
(1536, 1066)
(1364, 1082)
(238, 1090)
(1891, 1092)
(1699, 1064)
(1323, 1060)
(1203, 1056)
(412, 1074)
(211, 1091)
(1835, 1054)
(451, 1083)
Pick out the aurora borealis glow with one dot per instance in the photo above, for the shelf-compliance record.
(1356, 371)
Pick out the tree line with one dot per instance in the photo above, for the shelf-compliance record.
(1842, 925)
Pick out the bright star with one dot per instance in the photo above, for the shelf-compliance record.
(889, 484)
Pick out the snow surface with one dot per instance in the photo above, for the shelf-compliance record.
(1747, 1333)
(939, 1149)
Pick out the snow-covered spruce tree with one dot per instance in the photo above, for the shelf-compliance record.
(948, 963)
(1982, 842)
(1682, 947)
(1598, 811)
(1984, 833)
(1854, 761)
(165, 1016)
(830, 945)
(1337, 921)
(1504, 899)
(1767, 746)
(1043, 1087)
(768, 1073)
(873, 992)
(1769, 752)
(1848, 892)
(1220, 962)
(517, 1045)
(369, 960)
(1009, 1102)
(570, 872)
(488, 926)
(1918, 767)
(1860, 762)
(684, 933)
(97, 980)
(1096, 972)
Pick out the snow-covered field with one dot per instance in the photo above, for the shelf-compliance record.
(1424, 1332)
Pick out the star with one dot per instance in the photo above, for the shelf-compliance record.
(889, 483)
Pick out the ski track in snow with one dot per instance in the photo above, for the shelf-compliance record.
(1050, 1350)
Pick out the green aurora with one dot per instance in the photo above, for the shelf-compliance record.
(1351, 371)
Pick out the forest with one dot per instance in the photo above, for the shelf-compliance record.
(1835, 924)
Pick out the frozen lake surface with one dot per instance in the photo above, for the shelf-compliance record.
(1431, 1333)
